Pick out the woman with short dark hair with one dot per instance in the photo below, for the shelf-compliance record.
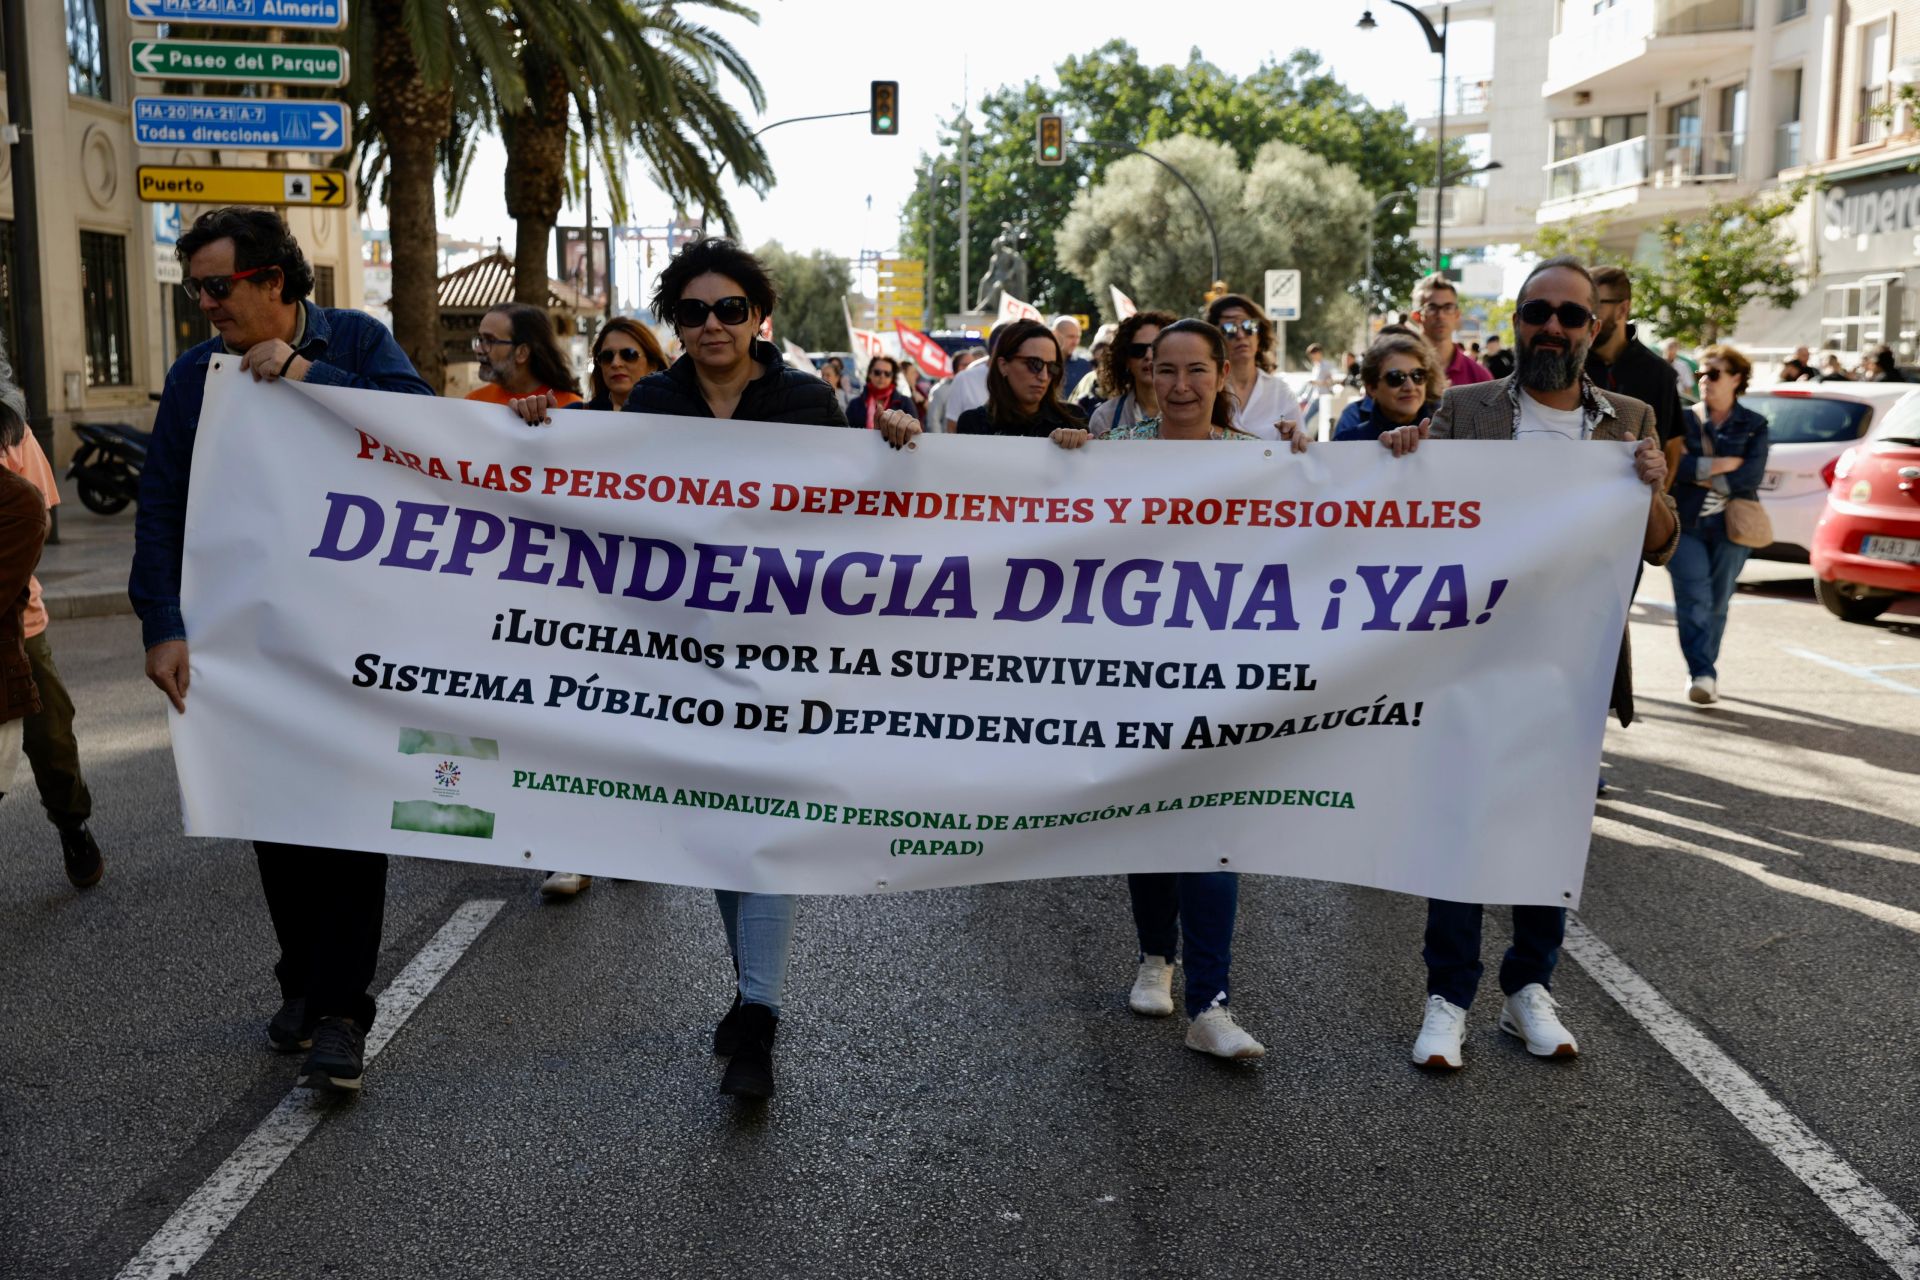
(1403, 383)
(1724, 461)
(1024, 374)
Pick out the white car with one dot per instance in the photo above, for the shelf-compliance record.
(1809, 425)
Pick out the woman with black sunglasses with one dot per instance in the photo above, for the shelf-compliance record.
(1126, 373)
(717, 295)
(1262, 400)
(624, 351)
(1403, 383)
(1023, 387)
(881, 394)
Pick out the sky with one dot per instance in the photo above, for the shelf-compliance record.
(840, 188)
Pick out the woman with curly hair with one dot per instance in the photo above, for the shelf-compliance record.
(1403, 383)
(1126, 373)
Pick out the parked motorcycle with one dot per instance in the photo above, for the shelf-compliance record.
(106, 467)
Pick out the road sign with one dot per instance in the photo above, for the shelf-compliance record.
(303, 15)
(257, 124)
(242, 186)
(1283, 294)
(246, 63)
(167, 270)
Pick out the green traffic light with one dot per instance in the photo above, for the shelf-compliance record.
(886, 122)
(1052, 151)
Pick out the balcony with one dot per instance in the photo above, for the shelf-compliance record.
(1612, 177)
(1786, 146)
(1657, 38)
(1466, 104)
(1872, 119)
(1459, 206)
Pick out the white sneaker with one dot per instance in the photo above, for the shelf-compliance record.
(1529, 1014)
(1441, 1033)
(1152, 988)
(1215, 1032)
(564, 884)
(1702, 690)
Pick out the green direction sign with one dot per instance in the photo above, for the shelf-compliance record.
(231, 61)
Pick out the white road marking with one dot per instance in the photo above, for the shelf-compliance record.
(1870, 674)
(1898, 917)
(185, 1238)
(1878, 1222)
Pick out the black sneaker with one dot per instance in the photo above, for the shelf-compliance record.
(337, 1061)
(750, 1074)
(82, 856)
(726, 1036)
(291, 1030)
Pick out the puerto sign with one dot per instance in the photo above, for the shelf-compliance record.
(257, 124)
(311, 64)
(161, 183)
(303, 15)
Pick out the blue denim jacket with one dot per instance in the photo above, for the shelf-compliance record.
(1360, 421)
(347, 348)
(1743, 435)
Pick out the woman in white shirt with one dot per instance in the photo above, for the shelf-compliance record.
(1262, 399)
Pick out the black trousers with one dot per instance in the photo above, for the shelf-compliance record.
(49, 743)
(328, 906)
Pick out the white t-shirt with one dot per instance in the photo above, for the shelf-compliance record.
(969, 391)
(1541, 422)
(1272, 401)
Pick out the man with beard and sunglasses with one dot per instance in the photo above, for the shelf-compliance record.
(251, 281)
(1548, 399)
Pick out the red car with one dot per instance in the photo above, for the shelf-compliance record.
(1866, 548)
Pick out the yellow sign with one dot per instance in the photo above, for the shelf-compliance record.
(242, 186)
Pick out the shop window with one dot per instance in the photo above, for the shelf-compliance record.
(103, 302)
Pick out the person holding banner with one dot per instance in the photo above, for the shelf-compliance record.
(717, 295)
(247, 273)
(1188, 914)
(1023, 387)
(1126, 373)
(1548, 401)
(23, 532)
(1262, 399)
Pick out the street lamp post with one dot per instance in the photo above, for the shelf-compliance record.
(1212, 232)
(1436, 42)
(1393, 197)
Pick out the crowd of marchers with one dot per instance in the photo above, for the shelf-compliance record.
(1576, 372)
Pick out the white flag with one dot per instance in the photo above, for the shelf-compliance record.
(1011, 308)
(1122, 304)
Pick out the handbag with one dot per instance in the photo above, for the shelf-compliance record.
(1748, 524)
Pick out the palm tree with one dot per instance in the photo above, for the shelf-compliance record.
(636, 73)
(429, 76)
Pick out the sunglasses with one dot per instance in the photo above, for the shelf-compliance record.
(1234, 328)
(1572, 315)
(1139, 350)
(1713, 375)
(219, 288)
(607, 355)
(1398, 378)
(883, 374)
(691, 313)
(1036, 366)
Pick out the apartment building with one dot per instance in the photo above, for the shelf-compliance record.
(111, 326)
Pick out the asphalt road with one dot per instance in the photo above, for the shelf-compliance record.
(963, 1091)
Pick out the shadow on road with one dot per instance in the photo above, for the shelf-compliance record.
(1802, 730)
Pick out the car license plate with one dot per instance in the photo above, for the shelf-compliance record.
(1907, 549)
(1771, 480)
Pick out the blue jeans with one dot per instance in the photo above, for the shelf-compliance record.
(1196, 907)
(1704, 569)
(1453, 949)
(760, 936)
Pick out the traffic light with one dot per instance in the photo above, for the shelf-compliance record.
(883, 111)
(1050, 142)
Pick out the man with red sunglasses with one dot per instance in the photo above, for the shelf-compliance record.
(251, 281)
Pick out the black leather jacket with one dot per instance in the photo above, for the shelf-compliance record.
(779, 394)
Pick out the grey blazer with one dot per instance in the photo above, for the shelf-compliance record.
(1488, 410)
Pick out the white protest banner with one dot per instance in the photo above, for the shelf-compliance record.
(1122, 305)
(788, 658)
(1012, 308)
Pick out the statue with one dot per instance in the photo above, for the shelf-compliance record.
(1007, 271)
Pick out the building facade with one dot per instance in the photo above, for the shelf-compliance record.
(111, 327)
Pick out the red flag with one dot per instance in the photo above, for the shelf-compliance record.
(929, 355)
